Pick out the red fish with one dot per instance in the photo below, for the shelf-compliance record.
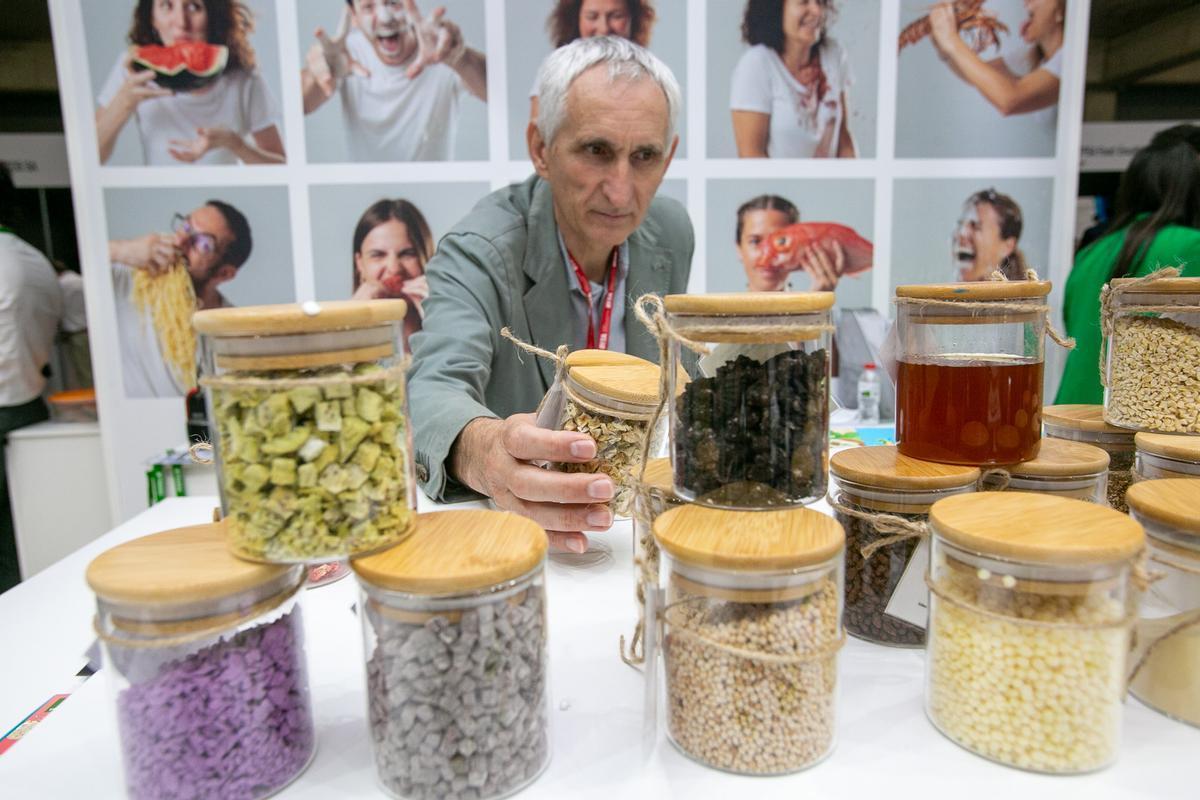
(782, 246)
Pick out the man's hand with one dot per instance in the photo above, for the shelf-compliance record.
(155, 252)
(438, 40)
(328, 60)
(492, 457)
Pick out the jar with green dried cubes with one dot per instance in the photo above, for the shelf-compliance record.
(310, 415)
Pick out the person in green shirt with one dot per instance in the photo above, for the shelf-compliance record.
(1157, 225)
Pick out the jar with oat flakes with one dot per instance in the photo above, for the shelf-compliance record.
(752, 630)
(1152, 337)
(1065, 469)
(1085, 423)
(1031, 610)
(612, 398)
(1161, 455)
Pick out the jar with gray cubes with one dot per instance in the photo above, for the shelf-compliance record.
(454, 623)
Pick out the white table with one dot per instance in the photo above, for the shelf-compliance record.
(886, 747)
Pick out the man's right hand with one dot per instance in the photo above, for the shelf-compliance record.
(328, 60)
(155, 252)
(493, 457)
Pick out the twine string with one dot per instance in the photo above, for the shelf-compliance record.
(894, 528)
(559, 357)
(993, 480)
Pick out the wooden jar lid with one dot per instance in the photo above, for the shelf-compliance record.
(747, 304)
(1062, 458)
(1037, 528)
(884, 466)
(451, 552)
(1160, 286)
(749, 541)
(637, 384)
(1184, 448)
(601, 358)
(1081, 417)
(975, 291)
(291, 318)
(1171, 501)
(177, 568)
(658, 476)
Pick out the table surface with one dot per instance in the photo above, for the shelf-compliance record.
(886, 746)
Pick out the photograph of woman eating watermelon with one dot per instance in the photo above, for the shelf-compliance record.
(190, 83)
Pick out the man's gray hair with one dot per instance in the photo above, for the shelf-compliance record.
(625, 60)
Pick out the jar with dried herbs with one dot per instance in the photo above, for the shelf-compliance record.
(752, 630)
(313, 442)
(1161, 455)
(752, 429)
(1166, 658)
(1031, 611)
(1085, 423)
(612, 398)
(1152, 338)
(880, 494)
(1063, 468)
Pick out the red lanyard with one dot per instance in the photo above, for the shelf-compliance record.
(598, 341)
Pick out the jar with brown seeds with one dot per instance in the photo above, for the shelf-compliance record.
(1153, 354)
(752, 630)
(1085, 423)
(874, 481)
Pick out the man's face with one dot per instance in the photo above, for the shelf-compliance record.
(608, 158)
(604, 18)
(205, 246)
(978, 246)
(757, 224)
(387, 28)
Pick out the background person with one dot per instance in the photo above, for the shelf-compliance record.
(986, 237)
(825, 261)
(789, 89)
(213, 241)
(30, 309)
(73, 333)
(400, 76)
(1157, 224)
(1024, 79)
(392, 244)
(233, 119)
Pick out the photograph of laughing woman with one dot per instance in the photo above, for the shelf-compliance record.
(986, 237)
(392, 243)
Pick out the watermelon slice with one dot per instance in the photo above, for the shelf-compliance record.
(182, 67)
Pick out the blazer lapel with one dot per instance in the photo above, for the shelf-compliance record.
(649, 271)
(546, 299)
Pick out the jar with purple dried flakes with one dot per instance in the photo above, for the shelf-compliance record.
(454, 624)
(205, 656)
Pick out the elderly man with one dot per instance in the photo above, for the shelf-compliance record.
(542, 257)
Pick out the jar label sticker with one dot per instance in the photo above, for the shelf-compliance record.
(910, 600)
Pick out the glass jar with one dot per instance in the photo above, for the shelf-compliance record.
(1063, 468)
(886, 600)
(752, 429)
(612, 398)
(1161, 455)
(311, 420)
(1085, 423)
(969, 377)
(1153, 354)
(752, 629)
(655, 496)
(1030, 614)
(454, 624)
(1165, 672)
(205, 658)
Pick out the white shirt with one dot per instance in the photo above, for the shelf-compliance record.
(389, 117)
(238, 100)
(579, 303)
(146, 371)
(74, 316)
(30, 307)
(800, 127)
(1021, 59)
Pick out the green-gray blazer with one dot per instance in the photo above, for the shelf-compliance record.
(501, 266)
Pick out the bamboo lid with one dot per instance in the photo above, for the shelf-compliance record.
(601, 358)
(176, 568)
(1037, 528)
(1160, 286)
(1171, 501)
(749, 541)
(658, 475)
(747, 304)
(1062, 458)
(290, 318)
(886, 467)
(628, 383)
(457, 551)
(976, 291)
(1081, 417)
(1184, 448)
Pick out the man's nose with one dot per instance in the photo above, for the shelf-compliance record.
(618, 186)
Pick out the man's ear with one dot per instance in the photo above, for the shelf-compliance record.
(537, 149)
